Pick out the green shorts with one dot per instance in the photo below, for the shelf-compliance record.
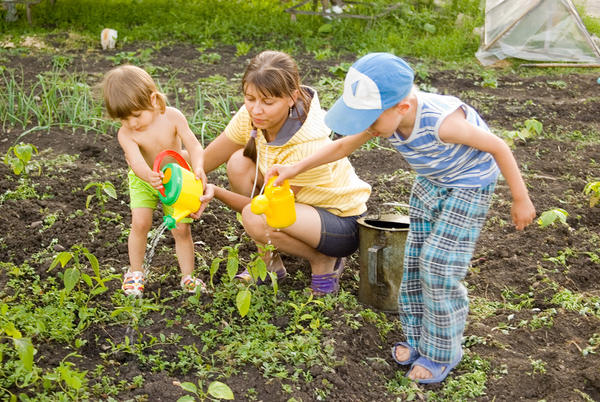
(143, 195)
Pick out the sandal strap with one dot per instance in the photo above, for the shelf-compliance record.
(190, 283)
(325, 283)
(322, 284)
(133, 282)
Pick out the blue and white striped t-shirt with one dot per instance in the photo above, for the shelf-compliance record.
(445, 164)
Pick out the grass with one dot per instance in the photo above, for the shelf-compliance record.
(418, 28)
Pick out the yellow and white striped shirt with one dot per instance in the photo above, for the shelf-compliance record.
(334, 186)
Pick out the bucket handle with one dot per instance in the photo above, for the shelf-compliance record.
(175, 155)
(373, 263)
(392, 204)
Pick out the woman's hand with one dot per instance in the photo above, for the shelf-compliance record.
(282, 171)
(209, 193)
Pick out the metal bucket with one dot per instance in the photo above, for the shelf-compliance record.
(382, 240)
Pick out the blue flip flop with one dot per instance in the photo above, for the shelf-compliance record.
(439, 371)
(414, 355)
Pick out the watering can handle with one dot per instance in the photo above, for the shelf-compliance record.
(161, 156)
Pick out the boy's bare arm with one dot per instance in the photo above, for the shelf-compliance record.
(329, 153)
(455, 129)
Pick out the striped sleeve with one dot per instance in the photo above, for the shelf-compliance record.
(239, 127)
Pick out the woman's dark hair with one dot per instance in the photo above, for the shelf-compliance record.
(274, 74)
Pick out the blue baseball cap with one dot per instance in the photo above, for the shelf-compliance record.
(374, 83)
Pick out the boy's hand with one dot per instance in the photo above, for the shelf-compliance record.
(523, 213)
(209, 193)
(156, 179)
(282, 171)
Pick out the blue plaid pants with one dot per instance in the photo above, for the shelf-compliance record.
(444, 226)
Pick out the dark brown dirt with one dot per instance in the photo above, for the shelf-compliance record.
(506, 262)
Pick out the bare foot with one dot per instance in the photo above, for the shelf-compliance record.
(402, 353)
(419, 373)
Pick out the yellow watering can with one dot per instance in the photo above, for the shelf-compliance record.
(277, 203)
(181, 189)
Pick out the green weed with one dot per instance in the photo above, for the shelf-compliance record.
(593, 190)
(18, 158)
(102, 191)
(531, 129)
(216, 389)
(552, 216)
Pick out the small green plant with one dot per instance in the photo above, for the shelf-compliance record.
(561, 258)
(552, 216)
(22, 345)
(538, 366)
(61, 61)
(594, 344)
(75, 273)
(132, 57)
(340, 70)
(69, 379)
(323, 54)
(102, 192)
(532, 129)
(489, 79)
(258, 271)
(18, 158)
(216, 389)
(210, 58)
(301, 315)
(593, 190)
(558, 84)
(242, 48)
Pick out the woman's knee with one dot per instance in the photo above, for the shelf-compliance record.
(240, 172)
(256, 226)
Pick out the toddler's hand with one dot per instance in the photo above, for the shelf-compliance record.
(523, 213)
(156, 179)
(200, 175)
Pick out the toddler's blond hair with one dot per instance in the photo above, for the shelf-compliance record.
(127, 89)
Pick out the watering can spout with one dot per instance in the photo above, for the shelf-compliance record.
(171, 220)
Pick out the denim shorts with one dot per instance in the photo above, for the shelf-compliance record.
(339, 235)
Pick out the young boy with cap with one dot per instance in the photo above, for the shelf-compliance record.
(457, 160)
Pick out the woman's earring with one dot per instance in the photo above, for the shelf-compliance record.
(290, 113)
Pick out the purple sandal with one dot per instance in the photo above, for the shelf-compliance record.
(324, 284)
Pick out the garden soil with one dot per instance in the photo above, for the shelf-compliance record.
(506, 262)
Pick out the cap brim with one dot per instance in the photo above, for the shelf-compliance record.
(344, 120)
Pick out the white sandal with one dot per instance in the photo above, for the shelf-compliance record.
(133, 283)
(190, 284)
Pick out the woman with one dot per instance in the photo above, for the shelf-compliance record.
(281, 122)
